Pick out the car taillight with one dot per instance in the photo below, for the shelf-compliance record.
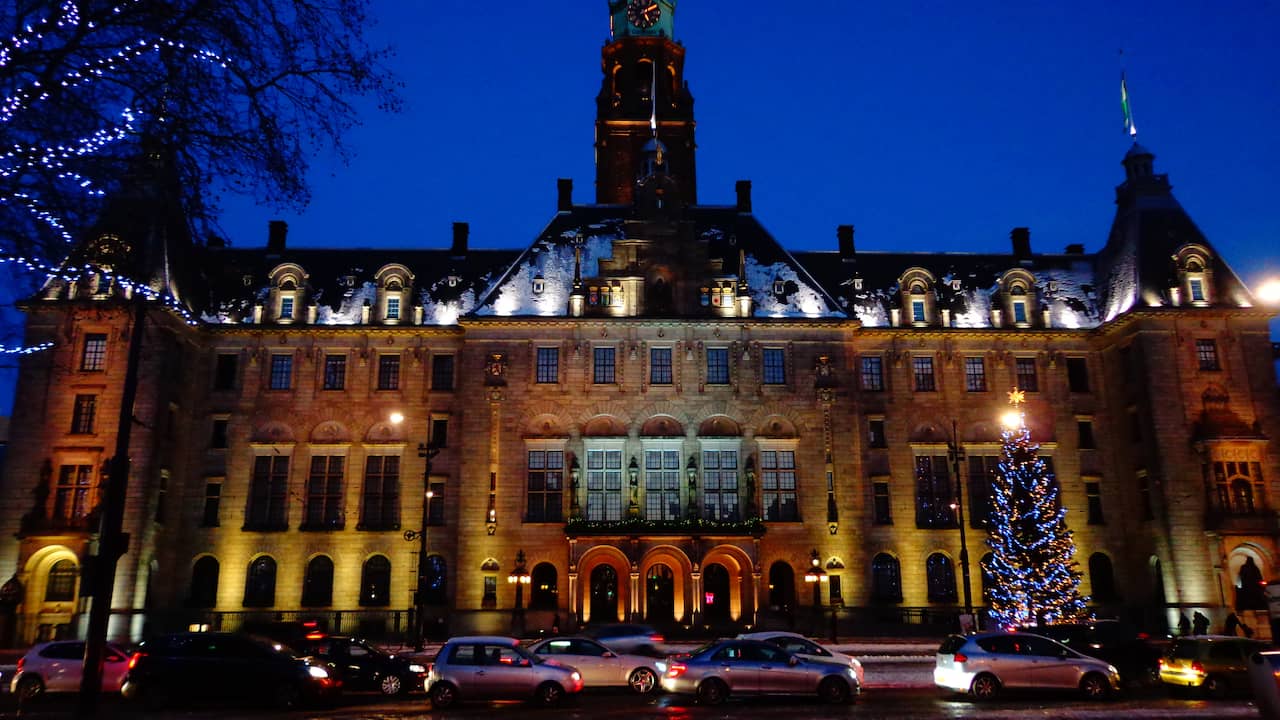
(676, 670)
(961, 657)
(21, 661)
(655, 638)
(1143, 636)
(1162, 662)
(133, 659)
(1197, 667)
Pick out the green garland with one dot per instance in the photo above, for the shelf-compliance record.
(687, 526)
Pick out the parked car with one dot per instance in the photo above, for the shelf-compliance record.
(727, 668)
(601, 666)
(1215, 664)
(986, 664)
(497, 668)
(57, 667)
(629, 638)
(1264, 676)
(231, 666)
(362, 666)
(807, 649)
(1118, 643)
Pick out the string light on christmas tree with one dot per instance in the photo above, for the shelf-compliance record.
(6, 350)
(1033, 573)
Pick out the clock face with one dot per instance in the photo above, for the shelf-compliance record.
(643, 13)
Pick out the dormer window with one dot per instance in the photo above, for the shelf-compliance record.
(918, 301)
(286, 308)
(1195, 276)
(1018, 299)
(1197, 290)
(287, 287)
(393, 283)
(539, 285)
(918, 311)
(393, 308)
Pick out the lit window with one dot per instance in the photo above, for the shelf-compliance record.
(662, 484)
(94, 355)
(604, 484)
(1207, 354)
(719, 483)
(82, 414)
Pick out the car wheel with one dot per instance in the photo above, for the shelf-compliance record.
(712, 692)
(549, 694)
(1094, 687)
(1215, 687)
(833, 691)
(642, 681)
(392, 685)
(985, 687)
(443, 695)
(286, 697)
(30, 687)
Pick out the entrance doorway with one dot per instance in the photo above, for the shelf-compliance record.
(715, 590)
(659, 595)
(604, 594)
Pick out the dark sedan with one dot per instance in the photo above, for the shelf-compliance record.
(728, 668)
(362, 666)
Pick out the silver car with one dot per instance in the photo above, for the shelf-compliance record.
(601, 666)
(754, 667)
(983, 665)
(807, 649)
(497, 668)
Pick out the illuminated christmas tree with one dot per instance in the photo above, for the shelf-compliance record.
(1032, 566)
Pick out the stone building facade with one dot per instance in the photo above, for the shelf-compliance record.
(653, 412)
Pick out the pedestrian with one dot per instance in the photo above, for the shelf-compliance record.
(1184, 625)
(1231, 625)
(1199, 623)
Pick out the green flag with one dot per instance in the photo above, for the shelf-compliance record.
(1129, 127)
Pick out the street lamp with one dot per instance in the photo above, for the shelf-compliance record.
(816, 576)
(426, 452)
(955, 453)
(519, 577)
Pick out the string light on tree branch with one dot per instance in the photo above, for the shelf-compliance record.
(5, 350)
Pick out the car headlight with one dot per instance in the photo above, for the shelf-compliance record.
(416, 668)
(318, 672)
(575, 675)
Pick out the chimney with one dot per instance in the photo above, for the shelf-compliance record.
(276, 232)
(564, 194)
(744, 195)
(460, 232)
(1075, 249)
(1021, 243)
(844, 239)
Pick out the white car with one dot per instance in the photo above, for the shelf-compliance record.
(797, 644)
(600, 666)
(57, 667)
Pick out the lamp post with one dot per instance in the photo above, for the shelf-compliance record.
(426, 452)
(816, 576)
(955, 453)
(519, 577)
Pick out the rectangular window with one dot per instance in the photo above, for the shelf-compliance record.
(544, 492)
(442, 372)
(393, 308)
(490, 597)
(934, 498)
(775, 371)
(439, 435)
(268, 494)
(1093, 492)
(281, 372)
(218, 437)
(1026, 374)
(1078, 374)
(1020, 312)
(662, 484)
(873, 373)
(882, 513)
(212, 502)
(225, 370)
(982, 476)
(335, 372)
(837, 593)
(72, 498)
(548, 365)
(917, 311)
(93, 356)
(975, 374)
(778, 482)
(324, 509)
(83, 413)
(1207, 354)
(603, 368)
(1085, 431)
(435, 504)
(717, 366)
(720, 485)
(162, 492)
(1144, 496)
(286, 308)
(876, 437)
(922, 367)
(660, 366)
(1197, 290)
(604, 485)
(380, 501)
(388, 372)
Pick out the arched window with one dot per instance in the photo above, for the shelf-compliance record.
(545, 593)
(435, 578)
(782, 587)
(204, 583)
(886, 579)
(375, 582)
(1103, 578)
(317, 586)
(1242, 496)
(61, 585)
(941, 578)
(260, 583)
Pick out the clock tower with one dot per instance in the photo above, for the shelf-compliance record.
(642, 95)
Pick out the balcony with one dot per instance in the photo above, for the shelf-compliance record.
(39, 524)
(1258, 522)
(682, 527)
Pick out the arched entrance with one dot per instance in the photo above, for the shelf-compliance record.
(715, 590)
(782, 587)
(604, 594)
(659, 594)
